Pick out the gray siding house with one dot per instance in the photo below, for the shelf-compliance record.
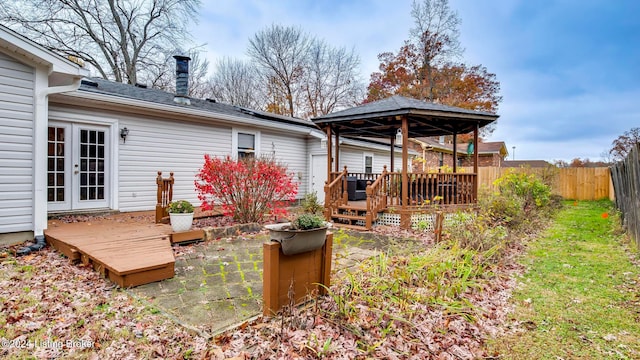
(62, 147)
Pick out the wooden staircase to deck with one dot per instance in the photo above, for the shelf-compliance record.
(350, 216)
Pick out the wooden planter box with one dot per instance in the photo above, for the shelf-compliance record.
(297, 241)
(306, 270)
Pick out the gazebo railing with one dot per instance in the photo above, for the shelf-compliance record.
(384, 191)
(426, 189)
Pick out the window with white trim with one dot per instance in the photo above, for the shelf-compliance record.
(245, 143)
(368, 163)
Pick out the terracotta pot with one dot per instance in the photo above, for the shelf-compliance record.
(181, 222)
(297, 241)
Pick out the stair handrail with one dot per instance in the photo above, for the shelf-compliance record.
(164, 195)
(333, 197)
(376, 197)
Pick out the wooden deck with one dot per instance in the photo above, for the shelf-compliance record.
(129, 251)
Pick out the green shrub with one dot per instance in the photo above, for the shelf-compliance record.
(474, 231)
(528, 187)
(310, 203)
(307, 222)
(502, 209)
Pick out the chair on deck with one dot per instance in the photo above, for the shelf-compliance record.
(356, 189)
(165, 196)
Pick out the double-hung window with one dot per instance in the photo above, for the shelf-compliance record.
(246, 145)
(368, 163)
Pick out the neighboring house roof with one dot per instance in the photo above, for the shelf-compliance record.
(32, 52)
(526, 163)
(111, 88)
(377, 143)
(484, 148)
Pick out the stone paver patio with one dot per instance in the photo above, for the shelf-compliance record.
(220, 283)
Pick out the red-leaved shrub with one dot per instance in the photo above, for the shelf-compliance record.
(246, 188)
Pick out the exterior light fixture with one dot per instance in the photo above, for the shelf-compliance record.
(323, 144)
(399, 136)
(124, 132)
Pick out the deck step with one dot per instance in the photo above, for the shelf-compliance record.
(351, 208)
(348, 217)
(352, 227)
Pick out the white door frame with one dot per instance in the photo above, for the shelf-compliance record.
(58, 118)
(76, 170)
(66, 204)
(322, 175)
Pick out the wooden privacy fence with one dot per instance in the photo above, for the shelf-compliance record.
(570, 183)
(626, 182)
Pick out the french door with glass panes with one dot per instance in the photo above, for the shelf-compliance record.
(77, 166)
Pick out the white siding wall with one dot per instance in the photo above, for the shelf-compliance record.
(381, 158)
(354, 159)
(167, 146)
(290, 150)
(16, 145)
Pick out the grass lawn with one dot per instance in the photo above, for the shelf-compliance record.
(579, 298)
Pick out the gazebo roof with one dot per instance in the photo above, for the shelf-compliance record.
(382, 118)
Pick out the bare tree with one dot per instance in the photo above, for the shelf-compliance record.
(621, 146)
(236, 82)
(118, 38)
(435, 36)
(331, 80)
(281, 53)
(304, 76)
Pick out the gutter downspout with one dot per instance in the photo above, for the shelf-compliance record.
(40, 138)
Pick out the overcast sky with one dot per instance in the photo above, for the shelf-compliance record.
(569, 69)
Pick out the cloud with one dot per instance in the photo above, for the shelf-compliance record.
(569, 70)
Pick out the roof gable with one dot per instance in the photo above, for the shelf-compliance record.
(33, 53)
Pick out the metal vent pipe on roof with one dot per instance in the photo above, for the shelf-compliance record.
(182, 80)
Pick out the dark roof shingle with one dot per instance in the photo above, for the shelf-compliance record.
(106, 87)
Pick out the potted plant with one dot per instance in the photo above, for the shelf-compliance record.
(305, 233)
(181, 215)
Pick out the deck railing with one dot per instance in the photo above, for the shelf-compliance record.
(377, 194)
(434, 189)
(384, 191)
(335, 192)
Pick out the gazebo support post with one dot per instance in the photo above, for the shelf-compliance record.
(455, 153)
(393, 152)
(475, 163)
(405, 216)
(329, 154)
(337, 155)
(327, 198)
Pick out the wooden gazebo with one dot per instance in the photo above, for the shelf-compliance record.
(402, 193)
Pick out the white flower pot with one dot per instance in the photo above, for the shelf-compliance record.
(181, 222)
